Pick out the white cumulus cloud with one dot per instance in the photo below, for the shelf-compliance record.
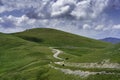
(116, 26)
(99, 27)
(86, 26)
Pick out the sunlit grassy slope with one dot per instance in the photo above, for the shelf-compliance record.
(84, 49)
(26, 55)
(52, 37)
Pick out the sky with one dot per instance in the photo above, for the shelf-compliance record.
(91, 18)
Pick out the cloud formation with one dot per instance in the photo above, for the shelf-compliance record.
(62, 8)
(76, 16)
(116, 26)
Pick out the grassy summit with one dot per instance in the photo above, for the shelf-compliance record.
(52, 37)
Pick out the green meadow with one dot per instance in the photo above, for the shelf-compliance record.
(27, 55)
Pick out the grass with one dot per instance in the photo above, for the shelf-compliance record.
(52, 37)
(18, 56)
(26, 55)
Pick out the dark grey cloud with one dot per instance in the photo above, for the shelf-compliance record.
(1, 3)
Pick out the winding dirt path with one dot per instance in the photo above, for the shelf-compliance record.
(56, 53)
(75, 72)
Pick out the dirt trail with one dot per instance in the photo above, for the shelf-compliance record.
(56, 53)
(91, 65)
(81, 73)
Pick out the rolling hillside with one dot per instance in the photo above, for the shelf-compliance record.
(29, 55)
(52, 37)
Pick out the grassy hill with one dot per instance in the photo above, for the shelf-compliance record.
(26, 55)
(85, 49)
(52, 37)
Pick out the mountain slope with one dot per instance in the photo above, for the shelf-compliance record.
(52, 37)
(111, 40)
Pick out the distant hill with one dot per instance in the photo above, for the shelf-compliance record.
(111, 40)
